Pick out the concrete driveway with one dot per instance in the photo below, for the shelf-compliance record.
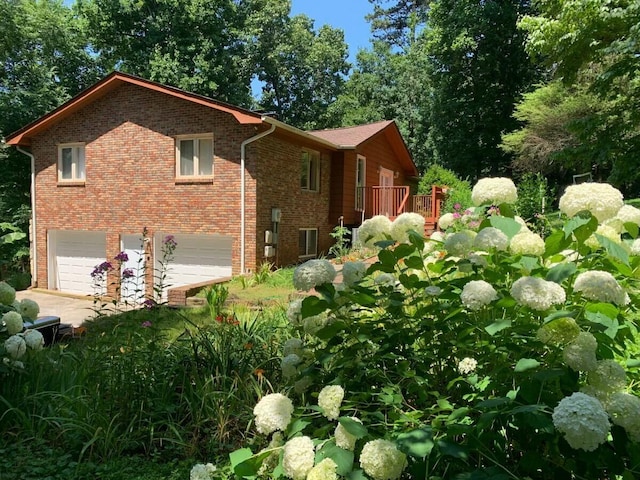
(73, 310)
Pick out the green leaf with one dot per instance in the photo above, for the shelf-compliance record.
(526, 263)
(525, 364)
(414, 262)
(633, 362)
(357, 475)
(452, 449)
(506, 225)
(561, 272)
(296, 427)
(331, 330)
(611, 325)
(12, 237)
(417, 240)
(240, 464)
(632, 228)
(357, 429)
(614, 249)
(312, 306)
(558, 314)
(555, 243)
(343, 458)
(498, 326)
(404, 250)
(582, 227)
(386, 257)
(416, 443)
(493, 402)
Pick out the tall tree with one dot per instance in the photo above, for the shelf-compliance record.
(302, 71)
(397, 22)
(479, 68)
(191, 44)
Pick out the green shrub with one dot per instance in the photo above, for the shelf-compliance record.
(458, 190)
(535, 199)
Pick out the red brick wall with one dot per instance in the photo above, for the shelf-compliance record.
(130, 177)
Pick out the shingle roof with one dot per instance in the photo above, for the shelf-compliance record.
(351, 136)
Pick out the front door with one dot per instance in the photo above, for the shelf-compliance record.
(386, 194)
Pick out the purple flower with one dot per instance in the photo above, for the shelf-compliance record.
(127, 273)
(170, 241)
(149, 303)
(457, 206)
(121, 257)
(99, 270)
(146, 324)
(456, 215)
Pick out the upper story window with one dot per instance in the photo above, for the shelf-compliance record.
(310, 174)
(71, 162)
(194, 156)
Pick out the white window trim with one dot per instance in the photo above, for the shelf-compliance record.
(307, 230)
(76, 147)
(360, 204)
(196, 159)
(312, 154)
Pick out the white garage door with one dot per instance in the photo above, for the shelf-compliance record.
(197, 258)
(73, 256)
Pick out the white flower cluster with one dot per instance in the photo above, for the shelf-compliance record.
(459, 244)
(494, 191)
(293, 345)
(325, 470)
(381, 460)
(559, 331)
(467, 365)
(583, 421)
(527, 242)
(373, 230)
(273, 412)
(601, 199)
(600, 286)
(628, 214)
(537, 293)
(353, 272)
(446, 221)
(477, 294)
(404, 223)
(343, 438)
(202, 471)
(607, 378)
(7, 294)
(28, 308)
(294, 312)
(298, 457)
(12, 322)
(607, 231)
(313, 273)
(289, 365)
(491, 238)
(624, 410)
(580, 354)
(329, 400)
(16, 345)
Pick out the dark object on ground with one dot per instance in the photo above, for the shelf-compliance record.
(47, 326)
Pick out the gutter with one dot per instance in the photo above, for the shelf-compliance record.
(242, 189)
(301, 133)
(34, 250)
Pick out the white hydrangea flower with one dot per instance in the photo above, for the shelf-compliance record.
(273, 412)
(606, 231)
(477, 294)
(33, 339)
(580, 354)
(582, 420)
(311, 325)
(385, 279)
(381, 460)
(467, 365)
(313, 273)
(325, 470)
(445, 221)
(329, 399)
(432, 291)
(7, 294)
(373, 230)
(600, 286)
(629, 214)
(527, 242)
(271, 462)
(343, 438)
(353, 272)
(437, 237)
(298, 458)
(29, 309)
(601, 199)
(494, 190)
(202, 471)
(624, 410)
(289, 365)
(13, 322)
(15, 346)
(635, 247)
(302, 385)
(608, 377)
(404, 223)
(459, 244)
(294, 312)
(479, 259)
(293, 345)
(559, 331)
(537, 293)
(490, 238)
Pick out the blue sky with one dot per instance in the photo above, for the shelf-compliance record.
(347, 15)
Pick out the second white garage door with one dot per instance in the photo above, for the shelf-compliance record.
(197, 258)
(73, 254)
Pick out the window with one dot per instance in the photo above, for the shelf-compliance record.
(307, 242)
(194, 156)
(71, 162)
(310, 176)
(360, 182)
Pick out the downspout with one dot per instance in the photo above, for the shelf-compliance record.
(242, 190)
(34, 250)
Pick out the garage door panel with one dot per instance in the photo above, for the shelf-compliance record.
(74, 255)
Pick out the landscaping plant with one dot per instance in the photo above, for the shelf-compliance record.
(486, 353)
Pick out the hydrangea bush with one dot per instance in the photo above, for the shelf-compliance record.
(484, 351)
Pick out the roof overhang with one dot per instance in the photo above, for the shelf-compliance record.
(108, 84)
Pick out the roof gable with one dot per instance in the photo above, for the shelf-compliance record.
(108, 84)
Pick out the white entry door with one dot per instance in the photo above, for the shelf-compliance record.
(386, 194)
(133, 286)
